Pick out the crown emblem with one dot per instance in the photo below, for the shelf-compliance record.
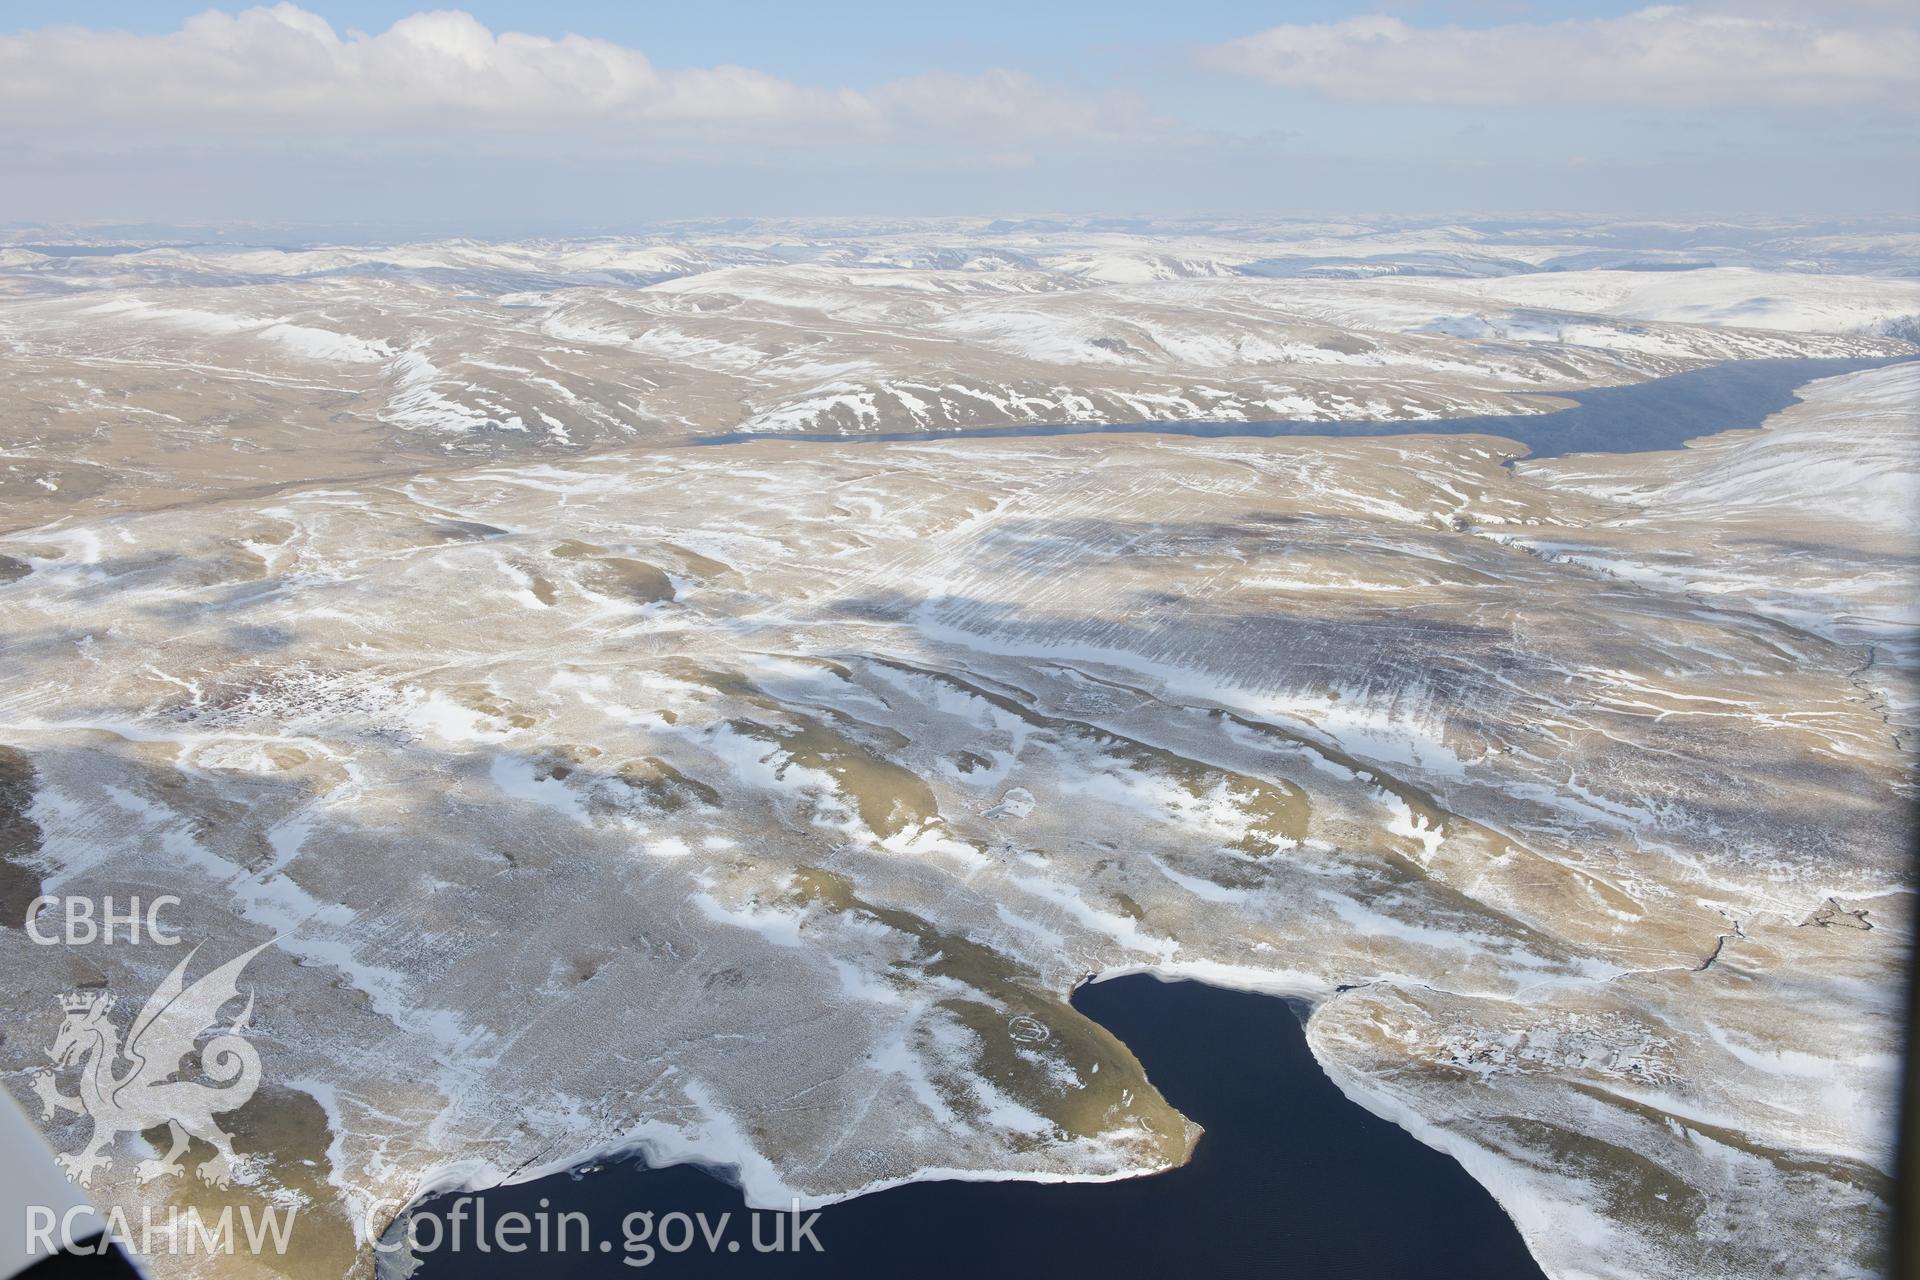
(85, 1001)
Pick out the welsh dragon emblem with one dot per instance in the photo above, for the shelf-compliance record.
(143, 1093)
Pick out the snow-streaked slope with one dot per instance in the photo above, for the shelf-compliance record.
(613, 804)
(1791, 301)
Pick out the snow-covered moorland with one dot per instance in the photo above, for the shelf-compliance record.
(732, 803)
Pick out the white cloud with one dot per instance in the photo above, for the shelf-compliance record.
(1674, 56)
(285, 70)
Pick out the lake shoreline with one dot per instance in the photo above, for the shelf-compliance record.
(1734, 395)
(1284, 1152)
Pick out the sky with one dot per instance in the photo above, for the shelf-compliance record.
(506, 116)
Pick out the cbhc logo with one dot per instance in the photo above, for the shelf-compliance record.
(82, 921)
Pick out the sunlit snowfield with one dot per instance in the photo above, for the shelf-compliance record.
(759, 803)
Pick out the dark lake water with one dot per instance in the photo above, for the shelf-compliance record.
(1290, 1179)
(1661, 413)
